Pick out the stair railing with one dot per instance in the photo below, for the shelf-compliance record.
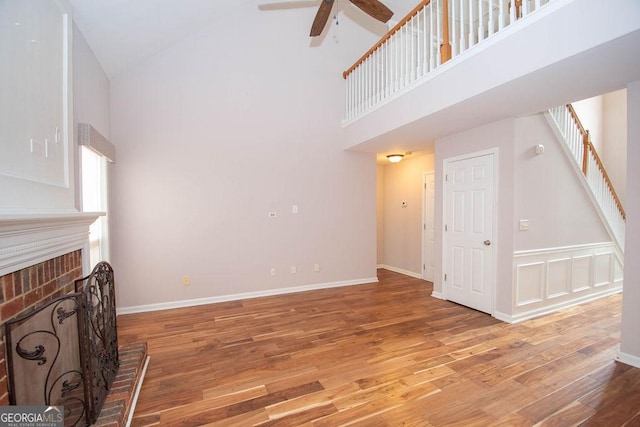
(579, 144)
(431, 34)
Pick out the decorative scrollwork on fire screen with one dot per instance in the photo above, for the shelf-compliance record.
(44, 364)
(99, 332)
(65, 353)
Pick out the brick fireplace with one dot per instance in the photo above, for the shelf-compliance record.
(41, 257)
(31, 287)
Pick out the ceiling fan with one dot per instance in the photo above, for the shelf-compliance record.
(373, 8)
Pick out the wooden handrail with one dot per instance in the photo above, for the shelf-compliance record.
(607, 180)
(588, 147)
(576, 119)
(387, 36)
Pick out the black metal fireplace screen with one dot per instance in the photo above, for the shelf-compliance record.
(65, 353)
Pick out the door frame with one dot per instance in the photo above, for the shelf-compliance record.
(424, 223)
(495, 239)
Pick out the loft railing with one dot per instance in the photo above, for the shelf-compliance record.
(579, 143)
(431, 34)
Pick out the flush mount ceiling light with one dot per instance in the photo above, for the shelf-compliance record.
(395, 158)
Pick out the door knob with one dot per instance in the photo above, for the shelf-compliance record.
(487, 242)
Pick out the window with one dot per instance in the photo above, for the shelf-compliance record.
(95, 190)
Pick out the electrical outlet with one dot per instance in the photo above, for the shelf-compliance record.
(273, 271)
(294, 270)
(316, 267)
(186, 280)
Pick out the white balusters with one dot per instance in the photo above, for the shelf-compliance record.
(480, 22)
(491, 19)
(471, 30)
(454, 27)
(409, 54)
(406, 72)
(413, 35)
(595, 177)
(422, 37)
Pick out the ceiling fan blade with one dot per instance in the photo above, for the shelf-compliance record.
(324, 11)
(375, 9)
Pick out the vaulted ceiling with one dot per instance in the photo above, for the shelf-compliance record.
(121, 32)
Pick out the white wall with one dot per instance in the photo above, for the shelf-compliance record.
(543, 189)
(91, 104)
(605, 117)
(548, 192)
(90, 88)
(498, 135)
(380, 213)
(403, 181)
(528, 68)
(591, 115)
(614, 154)
(630, 344)
(566, 256)
(37, 167)
(217, 131)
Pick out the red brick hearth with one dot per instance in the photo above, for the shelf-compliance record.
(118, 406)
(25, 290)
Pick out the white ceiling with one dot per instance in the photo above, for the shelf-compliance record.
(121, 32)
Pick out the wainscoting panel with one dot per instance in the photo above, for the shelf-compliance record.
(581, 273)
(602, 269)
(533, 275)
(558, 277)
(548, 280)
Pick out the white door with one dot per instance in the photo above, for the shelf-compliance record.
(468, 242)
(428, 227)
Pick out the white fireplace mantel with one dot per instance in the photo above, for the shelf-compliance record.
(30, 239)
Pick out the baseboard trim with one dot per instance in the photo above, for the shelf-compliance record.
(532, 314)
(401, 271)
(245, 295)
(628, 359)
(437, 295)
(503, 317)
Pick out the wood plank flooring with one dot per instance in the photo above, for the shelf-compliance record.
(384, 354)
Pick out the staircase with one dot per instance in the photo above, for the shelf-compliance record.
(578, 146)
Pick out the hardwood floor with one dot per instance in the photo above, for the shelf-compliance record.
(385, 354)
